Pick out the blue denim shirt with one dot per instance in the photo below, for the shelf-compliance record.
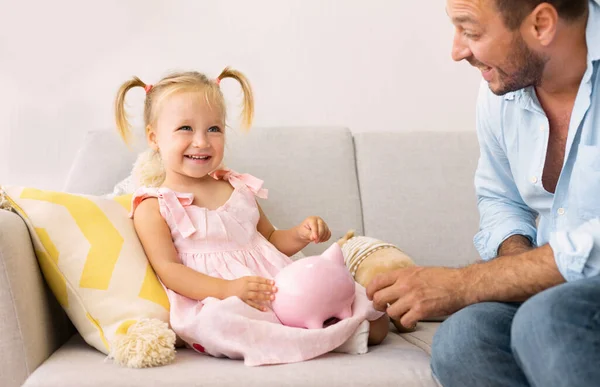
(513, 135)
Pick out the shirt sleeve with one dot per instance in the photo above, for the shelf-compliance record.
(502, 212)
(577, 252)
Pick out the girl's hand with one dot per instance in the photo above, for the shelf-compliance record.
(313, 229)
(254, 291)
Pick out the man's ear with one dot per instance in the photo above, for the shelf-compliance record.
(151, 138)
(540, 26)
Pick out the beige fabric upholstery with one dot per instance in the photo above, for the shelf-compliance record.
(394, 363)
(417, 192)
(423, 336)
(33, 325)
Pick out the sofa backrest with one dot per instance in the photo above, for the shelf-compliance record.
(417, 192)
(101, 161)
(414, 189)
(308, 171)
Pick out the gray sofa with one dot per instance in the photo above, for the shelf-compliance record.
(414, 189)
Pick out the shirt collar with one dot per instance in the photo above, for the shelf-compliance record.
(592, 32)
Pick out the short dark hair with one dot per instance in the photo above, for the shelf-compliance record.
(515, 11)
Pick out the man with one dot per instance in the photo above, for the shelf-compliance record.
(529, 314)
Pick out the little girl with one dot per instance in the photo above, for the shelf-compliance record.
(208, 240)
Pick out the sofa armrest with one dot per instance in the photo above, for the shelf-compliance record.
(33, 324)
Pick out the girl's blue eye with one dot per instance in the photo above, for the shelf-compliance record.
(186, 127)
(214, 129)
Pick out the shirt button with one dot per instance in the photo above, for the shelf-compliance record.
(560, 211)
(533, 179)
(542, 127)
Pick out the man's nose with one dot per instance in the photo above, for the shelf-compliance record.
(460, 50)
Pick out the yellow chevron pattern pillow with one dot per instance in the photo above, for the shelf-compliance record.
(93, 262)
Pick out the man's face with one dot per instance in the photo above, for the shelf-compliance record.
(502, 55)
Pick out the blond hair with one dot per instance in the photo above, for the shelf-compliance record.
(169, 85)
(179, 82)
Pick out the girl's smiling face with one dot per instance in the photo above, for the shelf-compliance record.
(189, 134)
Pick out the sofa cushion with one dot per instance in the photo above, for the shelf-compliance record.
(308, 171)
(422, 337)
(394, 363)
(101, 161)
(417, 192)
(33, 325)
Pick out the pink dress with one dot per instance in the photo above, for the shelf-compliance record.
(225, 243)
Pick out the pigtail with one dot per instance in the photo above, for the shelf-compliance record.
(148, 169)
(248, 109)
(120, 115)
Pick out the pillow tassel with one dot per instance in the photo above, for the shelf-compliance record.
(144, 343)
(4, 203)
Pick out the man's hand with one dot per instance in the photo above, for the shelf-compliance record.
(416, 293)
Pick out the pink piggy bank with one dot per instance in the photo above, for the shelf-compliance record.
(314, 289)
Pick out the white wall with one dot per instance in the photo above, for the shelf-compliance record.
(365, 64)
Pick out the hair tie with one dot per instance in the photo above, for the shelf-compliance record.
(218, 81)
(148, 88)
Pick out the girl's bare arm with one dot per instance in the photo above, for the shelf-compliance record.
(155, 236)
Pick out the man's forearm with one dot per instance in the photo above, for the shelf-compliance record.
(515, 244)
(512, 278)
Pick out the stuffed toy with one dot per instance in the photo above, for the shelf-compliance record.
(367, 257)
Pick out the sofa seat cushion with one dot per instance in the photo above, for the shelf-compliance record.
(423, 336)
(395, 362)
